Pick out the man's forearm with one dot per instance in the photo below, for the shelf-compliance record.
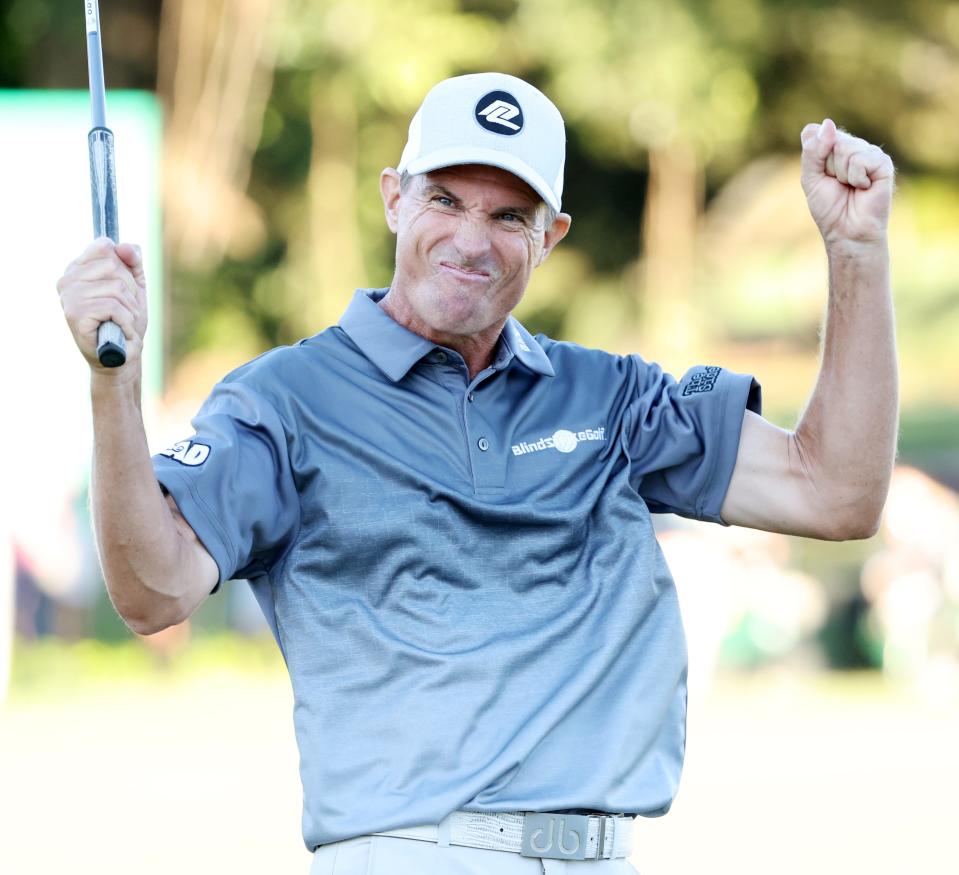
(139, 547)
(847, 435)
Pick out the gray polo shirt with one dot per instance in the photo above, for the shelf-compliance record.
(462, 574)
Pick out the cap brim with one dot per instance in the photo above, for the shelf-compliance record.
(493, 158)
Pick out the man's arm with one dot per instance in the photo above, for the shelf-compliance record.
(829, 478)
(156, 570)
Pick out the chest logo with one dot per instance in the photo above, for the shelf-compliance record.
(562, 441)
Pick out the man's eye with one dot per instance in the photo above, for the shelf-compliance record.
(511, 217)
(443, 201)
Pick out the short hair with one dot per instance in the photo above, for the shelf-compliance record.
(551, 214)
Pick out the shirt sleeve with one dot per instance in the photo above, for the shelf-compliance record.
(233, 482)
(683, 437)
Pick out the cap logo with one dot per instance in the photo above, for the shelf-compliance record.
(500, 113)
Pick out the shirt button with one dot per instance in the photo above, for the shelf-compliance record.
(440, 358)
(471, 397)
(483, 444)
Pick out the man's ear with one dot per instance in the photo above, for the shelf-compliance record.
(553, 234)
(390, 192)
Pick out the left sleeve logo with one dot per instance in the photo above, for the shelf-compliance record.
(187, 453)
(703, 381)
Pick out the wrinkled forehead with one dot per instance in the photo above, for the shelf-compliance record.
(493, 181)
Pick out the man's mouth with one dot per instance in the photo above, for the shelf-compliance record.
(464, 273)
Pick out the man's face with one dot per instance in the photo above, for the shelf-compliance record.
(467, 240)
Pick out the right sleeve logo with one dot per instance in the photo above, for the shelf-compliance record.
(187, 453)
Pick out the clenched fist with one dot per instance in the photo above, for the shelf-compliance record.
(848, 184)
(106, 282)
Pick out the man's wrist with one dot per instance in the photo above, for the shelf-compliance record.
(842, 250)
(116, 385)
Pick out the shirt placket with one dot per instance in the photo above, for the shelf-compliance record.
(486, 452)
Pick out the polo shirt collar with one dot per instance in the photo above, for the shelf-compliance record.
(391, 347)
(395, 349)
(526, 348)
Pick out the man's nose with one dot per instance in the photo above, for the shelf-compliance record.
(472, 237)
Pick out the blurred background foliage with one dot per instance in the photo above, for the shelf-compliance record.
(690, 241)
(689, 235)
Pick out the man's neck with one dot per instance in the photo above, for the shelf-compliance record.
(477, 350)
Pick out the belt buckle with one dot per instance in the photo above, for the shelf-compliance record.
(555, 836)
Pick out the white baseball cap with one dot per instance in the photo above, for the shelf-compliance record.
(490, 118)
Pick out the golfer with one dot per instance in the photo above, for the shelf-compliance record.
(446, 520)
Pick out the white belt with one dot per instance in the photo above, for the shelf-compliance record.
(531, 834)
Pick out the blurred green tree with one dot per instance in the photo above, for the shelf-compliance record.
(280, 116)
(669, 86)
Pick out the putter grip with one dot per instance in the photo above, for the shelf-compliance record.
(111, 345)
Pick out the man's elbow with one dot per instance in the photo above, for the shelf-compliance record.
(148, 617)
(148, 625)
(857, 530)
(155, 596)
(856, 520)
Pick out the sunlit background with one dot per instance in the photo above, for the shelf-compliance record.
(824, 678)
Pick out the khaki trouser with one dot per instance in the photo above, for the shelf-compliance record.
(389, 855)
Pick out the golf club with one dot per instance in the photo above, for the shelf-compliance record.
(111, 347)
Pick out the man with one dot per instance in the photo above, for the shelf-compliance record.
(446, 520)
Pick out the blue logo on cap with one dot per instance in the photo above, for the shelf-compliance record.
(500, 113)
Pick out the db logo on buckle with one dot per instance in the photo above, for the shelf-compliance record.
(555, 836)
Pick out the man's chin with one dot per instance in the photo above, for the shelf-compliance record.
(456, 308)
(455, 327)
(458, 322)
(461, 287)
